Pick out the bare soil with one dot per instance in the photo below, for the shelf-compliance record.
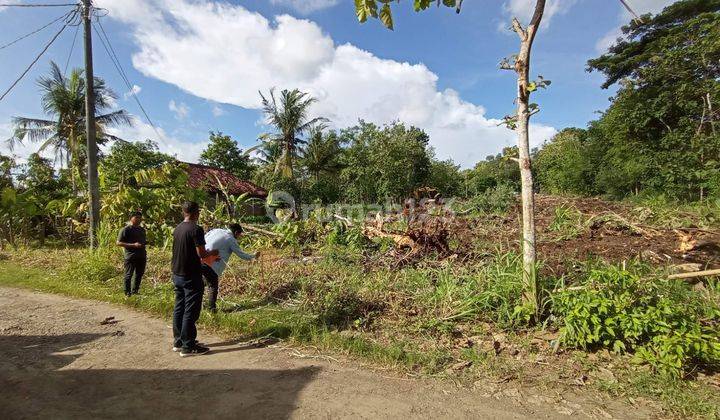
(611, 241)
(58, 361)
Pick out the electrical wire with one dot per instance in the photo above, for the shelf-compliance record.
(69, 20)
(37, 5)
(2, 47)
(72, 47)
(107, 45)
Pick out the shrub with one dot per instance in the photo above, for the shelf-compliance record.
(496, 200)
(663, 322)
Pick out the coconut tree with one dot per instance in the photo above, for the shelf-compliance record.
(322, 153)
(63, 100)
(289, 114)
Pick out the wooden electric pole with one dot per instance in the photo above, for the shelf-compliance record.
(92, 152)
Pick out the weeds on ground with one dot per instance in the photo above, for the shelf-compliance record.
(567, 223)
(662, 322)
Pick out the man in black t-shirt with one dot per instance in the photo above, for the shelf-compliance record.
(188, 249)
(132, 238)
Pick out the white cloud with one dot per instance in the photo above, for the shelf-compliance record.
(134, 91)
(306, 7)
(242, 52)
(180, 110)
(185, 151)
(640, 7)
(218, 111)
(524, 9)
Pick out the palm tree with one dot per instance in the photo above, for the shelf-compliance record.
(322, 153)
(290, 118)
(63, 99)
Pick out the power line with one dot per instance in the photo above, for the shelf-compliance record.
(36, 59)
(36, 5)
(72, 47)
(2, 47)
(107, 45)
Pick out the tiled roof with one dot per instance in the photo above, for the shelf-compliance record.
(206, 178)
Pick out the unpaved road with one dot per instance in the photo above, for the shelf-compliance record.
(58, 361)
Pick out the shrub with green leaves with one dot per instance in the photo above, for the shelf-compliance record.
(496, 200)
(663, 322)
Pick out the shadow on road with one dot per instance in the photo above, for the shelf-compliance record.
(34, 386)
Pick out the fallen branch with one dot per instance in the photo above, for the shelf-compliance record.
(400, 240)
(258, 230)
(703, 273)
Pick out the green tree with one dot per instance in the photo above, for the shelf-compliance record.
(223, 152)
(445, 177)
(387, 162)
(660, 133)
(126, 158)
(562, 165)
(289, 115)
(63, 99)
(6, 166)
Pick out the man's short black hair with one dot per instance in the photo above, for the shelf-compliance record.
(136, 213)
(236, 229)
(190, 207)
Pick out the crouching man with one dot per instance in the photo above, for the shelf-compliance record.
(224, 241)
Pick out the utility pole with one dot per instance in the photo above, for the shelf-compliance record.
(92, 152)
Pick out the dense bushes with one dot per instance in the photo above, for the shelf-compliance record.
(663, 322)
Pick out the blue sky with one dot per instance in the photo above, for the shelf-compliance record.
(198, 65)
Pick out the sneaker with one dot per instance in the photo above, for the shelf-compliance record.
(178, 348)
(195, 351)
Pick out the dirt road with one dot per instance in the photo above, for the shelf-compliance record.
(58, 361)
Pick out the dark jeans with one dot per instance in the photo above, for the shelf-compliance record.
(212, 281)
(134, 264)
(188, 302)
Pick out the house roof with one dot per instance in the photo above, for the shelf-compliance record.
(206, 178)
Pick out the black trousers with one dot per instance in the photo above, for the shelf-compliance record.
(134, 267)
(212, 282)
(188, 302)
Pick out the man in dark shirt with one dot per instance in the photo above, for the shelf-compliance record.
(132, 238)
(188, 249)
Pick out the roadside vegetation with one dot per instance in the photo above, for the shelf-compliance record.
(433, 285)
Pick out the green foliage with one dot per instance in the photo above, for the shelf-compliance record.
(660, 133)
(126, 158)
(495, 200)
(568, 222)
(621, 311)
(496, 170)
(159, 195)
(365, 9)
(289, 115)
(63, 99)
(445, 177)
(6, 166)
(562, 165)
(223, 152)
(94, 266)
(387, 162)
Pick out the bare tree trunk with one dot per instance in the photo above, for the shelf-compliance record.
(522, 68)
